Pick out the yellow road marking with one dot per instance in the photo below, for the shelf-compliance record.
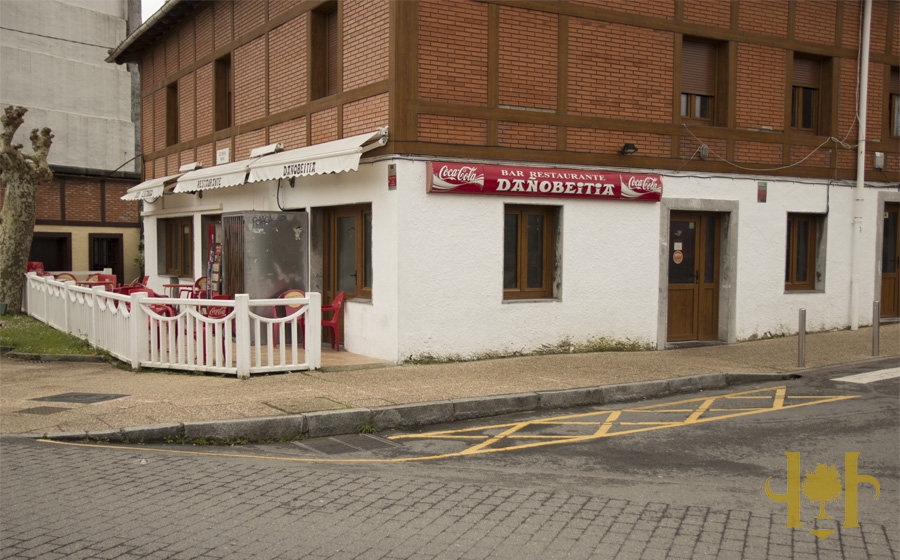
(608, 423)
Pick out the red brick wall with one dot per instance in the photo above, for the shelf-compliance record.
(247, 15)
(819, 158)
(277, 7)
(452, 130)
(206, 155)
(118, 210)
(453, 42)
(85, 206)
(204, 100)
(186, 105)
(291, 133)
(526, 135)
(366, 39)
(760, 87)
(657, 8)
(50, 207)
(763, 16)
(365, 115)
(223, 31)
(288, 65)
(186, 41)
(630, 78)
(186, 156)
(715, 13)
(249, 81)
(323, 126)
(204, 32)
(159, 119)
(758, 152)
(718, 147)
(610, 141)
(815, 21)
(528, 58)
(243, 143)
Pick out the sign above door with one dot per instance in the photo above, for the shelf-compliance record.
(542, 182)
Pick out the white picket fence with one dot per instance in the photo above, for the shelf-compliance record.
(238, 339)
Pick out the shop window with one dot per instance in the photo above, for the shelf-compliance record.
(700, 63)
(172, 114)
(894, 87)
(806, 90)
(178, 241)
(224, 92)
(802, 269)
(348, 266)
(529, 251)
(324, 43)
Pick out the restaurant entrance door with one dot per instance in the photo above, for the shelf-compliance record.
(693, 257)
(347, 262)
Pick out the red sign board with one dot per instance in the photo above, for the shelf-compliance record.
(542, 181)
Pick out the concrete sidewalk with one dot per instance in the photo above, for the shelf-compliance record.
(157, 405)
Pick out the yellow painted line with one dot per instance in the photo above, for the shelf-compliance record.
(606, 420)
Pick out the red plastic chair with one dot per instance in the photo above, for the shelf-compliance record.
(287, 310)
(64, 277)
(35, 266)
(333, 322)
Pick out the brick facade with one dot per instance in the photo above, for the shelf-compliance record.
(565, 82)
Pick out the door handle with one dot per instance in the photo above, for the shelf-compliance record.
(696, 277)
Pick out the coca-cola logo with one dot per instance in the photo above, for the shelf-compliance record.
(645, 183)
(462, 174)
(218, 312)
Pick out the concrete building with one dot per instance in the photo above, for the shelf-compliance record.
(52, 56)
(484, 177)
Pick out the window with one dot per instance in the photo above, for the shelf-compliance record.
(324, 67)
(224, 92)
(800, 269)
(529, 251)
(894, 86)
(698, 80)
(348, 232)
(179, 246)
(805, 94)
(172, 114)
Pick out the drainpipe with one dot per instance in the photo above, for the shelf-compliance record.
(860, 166)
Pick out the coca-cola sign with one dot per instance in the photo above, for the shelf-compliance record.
(542, 181)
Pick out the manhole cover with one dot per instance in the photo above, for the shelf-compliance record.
(44, 410)
(80, 398)
(345, 444)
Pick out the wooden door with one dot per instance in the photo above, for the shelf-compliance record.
(890, 262)
(348, 256)
(693, 257)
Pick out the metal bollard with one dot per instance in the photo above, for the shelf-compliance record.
(876, 328)
(801, 340)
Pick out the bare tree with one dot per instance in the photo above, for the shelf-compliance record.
(21, 174)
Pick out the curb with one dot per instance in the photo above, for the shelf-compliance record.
(349, 421)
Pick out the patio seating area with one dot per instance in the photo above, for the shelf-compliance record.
(223, 334)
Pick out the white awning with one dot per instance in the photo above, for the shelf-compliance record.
(149, 190)
(329, 157)
(216, 177)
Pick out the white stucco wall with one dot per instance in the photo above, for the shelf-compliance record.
(437, 259)
(452, 274)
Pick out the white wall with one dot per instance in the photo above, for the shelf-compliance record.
(437, 258)
(451, 277)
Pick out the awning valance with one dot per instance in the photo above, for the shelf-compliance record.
(216, 177)
(328, 157)
(149, 190)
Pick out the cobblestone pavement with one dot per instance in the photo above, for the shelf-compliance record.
(82, 502)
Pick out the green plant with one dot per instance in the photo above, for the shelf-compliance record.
(29, 335)
(366, 429)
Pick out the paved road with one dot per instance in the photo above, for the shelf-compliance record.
(691, 490)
